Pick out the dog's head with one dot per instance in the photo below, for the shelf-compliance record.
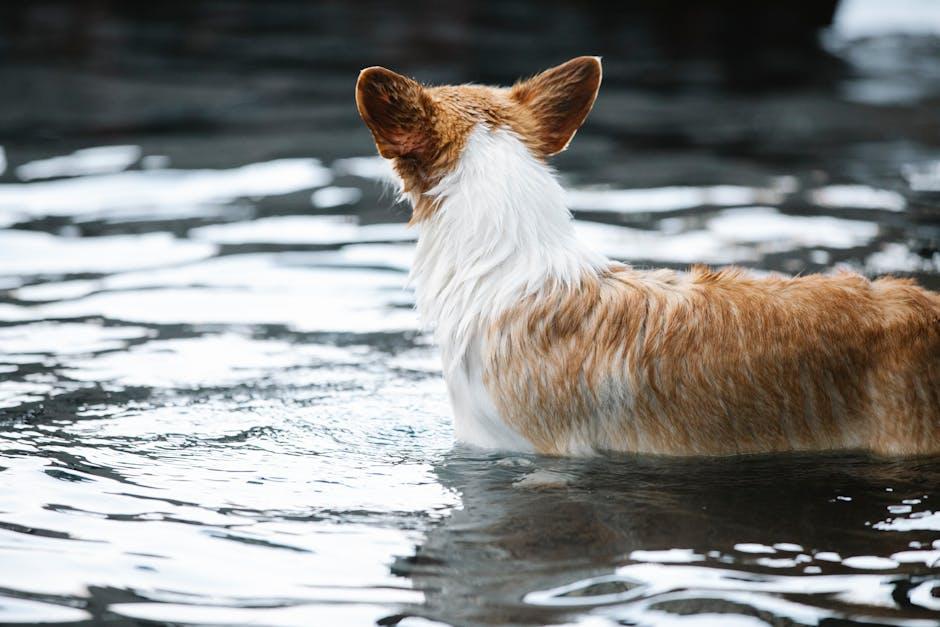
(423, 130)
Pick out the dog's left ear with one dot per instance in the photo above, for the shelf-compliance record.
(396, 109)
(560, 99)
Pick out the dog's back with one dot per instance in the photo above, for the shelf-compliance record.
(722, 363)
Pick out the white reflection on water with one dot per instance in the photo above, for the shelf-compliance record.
(97, 160)
(371, 167)
(16, 393)
(393, 256)
(870, 562)
(923, 177)
(308, 310)
(775, 231)
(858, 197)
(286, 289)
(35, 252)
(66, 338)
(652, 584)
(895, 257)
(284, 271)
(668, 198)
(668, 556)
(195, 362)
(753, 547)
(167, 191)
(303, 230)
(918, 520)
(27, 612)
(330, 197)
(856, 19)
(732, 236)
(302, 615)
(685, 247)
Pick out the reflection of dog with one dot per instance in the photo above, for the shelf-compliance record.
(550, 347)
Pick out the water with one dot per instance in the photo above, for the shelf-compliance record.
(216, 404)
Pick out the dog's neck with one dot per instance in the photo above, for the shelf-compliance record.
(501, 231)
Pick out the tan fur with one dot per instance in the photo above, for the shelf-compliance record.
(721, 363)
(708, 363)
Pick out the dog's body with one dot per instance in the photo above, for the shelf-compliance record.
(550, 347)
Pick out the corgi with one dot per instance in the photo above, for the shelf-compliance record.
(549, 347)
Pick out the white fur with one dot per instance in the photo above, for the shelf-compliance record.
(502, 231)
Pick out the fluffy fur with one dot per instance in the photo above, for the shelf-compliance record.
(550, 347)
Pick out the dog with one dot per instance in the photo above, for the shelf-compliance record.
(549, 347)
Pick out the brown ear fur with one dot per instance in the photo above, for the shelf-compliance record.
(560, 99)
(395, 108)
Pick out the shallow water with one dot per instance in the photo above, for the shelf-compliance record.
(216, 406)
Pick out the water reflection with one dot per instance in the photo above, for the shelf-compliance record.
(237, 421)
(142, 193)
(648, 541)
(177, 478)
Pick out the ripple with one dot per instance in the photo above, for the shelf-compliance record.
(858, 197)
(753, 547)
(330, 197)
(658, 586)
(33, 253)
(928, 520)
(664, 199)
(776, 231)
(26, 611)
(134, 193)
(66, 338)
(84, 162)
(305, 230)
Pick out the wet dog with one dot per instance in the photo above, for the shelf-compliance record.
(550, 347)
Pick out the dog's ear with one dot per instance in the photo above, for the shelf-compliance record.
(559, 99)
(396, 110)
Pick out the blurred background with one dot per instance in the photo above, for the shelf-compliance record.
(830, 106)
(207, 348)
(813, 109)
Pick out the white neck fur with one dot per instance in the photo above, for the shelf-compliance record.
(502, 231)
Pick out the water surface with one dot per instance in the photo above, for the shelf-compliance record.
(217, 407)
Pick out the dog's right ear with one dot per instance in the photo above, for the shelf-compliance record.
(396, 110)
(560, 99)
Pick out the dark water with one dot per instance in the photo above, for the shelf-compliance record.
(216, 406)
